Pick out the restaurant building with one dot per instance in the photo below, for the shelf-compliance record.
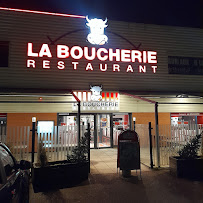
(118, 70)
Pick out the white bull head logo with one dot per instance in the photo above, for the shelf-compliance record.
(96, 93)
(96, 35)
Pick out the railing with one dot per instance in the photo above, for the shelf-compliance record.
(18, 141)
(63, 139)
(173, 138)
(58, 144)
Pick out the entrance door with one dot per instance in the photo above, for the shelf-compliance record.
(103, 130)
(99, 127)
(85, 119)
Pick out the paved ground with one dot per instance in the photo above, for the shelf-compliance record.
(105, 185)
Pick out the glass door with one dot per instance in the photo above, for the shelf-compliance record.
(120, 123)
(103, 130)
(84, 120)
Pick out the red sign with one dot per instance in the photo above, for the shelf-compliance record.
(185, 114)
(63, 52)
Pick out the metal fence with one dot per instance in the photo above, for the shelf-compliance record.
(63, 139)
(58, 143)
(173, 138)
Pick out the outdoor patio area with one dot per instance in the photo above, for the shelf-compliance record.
(105, 185)
(104, 161)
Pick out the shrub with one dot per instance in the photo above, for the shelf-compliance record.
(190, 150)
(79, 154)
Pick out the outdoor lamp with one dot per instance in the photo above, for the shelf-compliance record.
(134, 119)
(34, 119)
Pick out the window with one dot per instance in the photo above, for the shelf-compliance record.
(45, 126)
(4, 51)
(7, 162)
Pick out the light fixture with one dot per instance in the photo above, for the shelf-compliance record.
(182, 96)
(34, 119)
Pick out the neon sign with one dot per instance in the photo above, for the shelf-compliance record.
(96, 35)
(104, 101)
(141, 58)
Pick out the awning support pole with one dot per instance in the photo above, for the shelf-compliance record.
(78, 119)
(157, 134)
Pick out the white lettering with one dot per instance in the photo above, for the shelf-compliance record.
(129, 68)
(99, 56)
(62, 51)
(142, 69)
(125, 55)
(61, 65)
(116, 67)
(74, 55)
(135, 54)
(152, 57)
(46, 64)
(45, 51)
(92, 57)
(89, 67)
(112, 55)
(75, 65)
(154, 69)
(144, 57)
(103, 69)
(30, 63)
(30, 52)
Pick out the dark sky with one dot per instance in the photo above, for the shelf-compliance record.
(187, 13)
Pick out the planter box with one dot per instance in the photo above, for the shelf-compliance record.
(186, 168)
(59, 174)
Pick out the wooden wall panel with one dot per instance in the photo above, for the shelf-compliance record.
(145, 118)
(25, 119)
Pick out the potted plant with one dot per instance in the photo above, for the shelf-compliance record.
(188, 164)
(61, 174)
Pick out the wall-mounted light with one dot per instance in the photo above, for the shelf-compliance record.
(182, 96)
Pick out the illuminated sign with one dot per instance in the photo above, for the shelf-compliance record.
(136, 59)
(97, 100)
(96, 35)
(96, 93)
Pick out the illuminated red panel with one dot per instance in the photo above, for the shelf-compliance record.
(103, 96)
(199, 119)
(41, 12)
(111, 95)
(116, 95)
(107, 95)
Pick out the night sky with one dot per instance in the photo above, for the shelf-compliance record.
(187, 13)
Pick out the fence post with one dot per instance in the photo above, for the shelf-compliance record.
(150, 145)
(33, 138)
(88, 137)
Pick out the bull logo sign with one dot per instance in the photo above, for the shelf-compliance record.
(96, 93)
(96, 35)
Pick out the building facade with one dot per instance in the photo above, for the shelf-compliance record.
(45, 56)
